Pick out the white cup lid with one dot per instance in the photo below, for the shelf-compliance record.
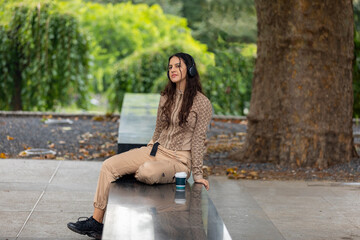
(180, 175)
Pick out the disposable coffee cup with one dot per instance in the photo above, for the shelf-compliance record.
(180, 181)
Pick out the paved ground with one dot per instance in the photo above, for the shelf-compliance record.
(38, 198)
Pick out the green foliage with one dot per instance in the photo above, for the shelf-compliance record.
(169, 6)
(44, 60)
(145, 71)
(229, 85)
(231, 20)
(119, 30)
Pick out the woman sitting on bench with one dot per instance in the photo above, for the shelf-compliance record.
(177, 145)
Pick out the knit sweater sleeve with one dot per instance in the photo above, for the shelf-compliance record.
(203, 118)
(159, 124)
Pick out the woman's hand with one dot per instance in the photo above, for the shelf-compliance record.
(204, 182)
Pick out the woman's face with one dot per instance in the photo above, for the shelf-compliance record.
(177, 70)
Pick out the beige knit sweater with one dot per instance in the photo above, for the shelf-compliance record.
(191, 136)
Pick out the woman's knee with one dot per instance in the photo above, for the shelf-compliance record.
(107, 168)
(155, 172)
(146, 174)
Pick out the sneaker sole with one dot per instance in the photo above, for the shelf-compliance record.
(89, 233)
(75, 230)
(94, 235)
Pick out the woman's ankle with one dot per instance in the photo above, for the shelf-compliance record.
(98, 215)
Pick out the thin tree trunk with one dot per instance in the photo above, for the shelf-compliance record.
(16, 101)
(302, 98)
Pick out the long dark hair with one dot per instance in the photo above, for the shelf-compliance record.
(193, 85)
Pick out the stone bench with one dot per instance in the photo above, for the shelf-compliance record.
(138, 119)
(139, 211)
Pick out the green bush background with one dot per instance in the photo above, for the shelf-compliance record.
(44, 58)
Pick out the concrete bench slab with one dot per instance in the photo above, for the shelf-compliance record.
(137, 120)
(139, 211)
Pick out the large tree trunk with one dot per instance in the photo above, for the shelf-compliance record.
(302, 98)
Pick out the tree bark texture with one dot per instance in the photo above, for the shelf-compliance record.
(301, 105)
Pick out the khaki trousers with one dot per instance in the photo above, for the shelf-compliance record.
(160, 168)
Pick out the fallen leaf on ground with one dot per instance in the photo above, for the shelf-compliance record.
(111, 152)
(26, 147)
(3, 155)
(102, 154)
(23, 154)
(84, 151)
(254, 174)
(50, 156)
(9, 138)
(98, 118)
(86, 136)
(108, 145)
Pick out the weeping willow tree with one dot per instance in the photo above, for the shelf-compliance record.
(44, 60)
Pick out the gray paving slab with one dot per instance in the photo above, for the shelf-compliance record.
(242, 215)
(37, 211)
(21, 186)
(11, 223)
(81, 175)
(76, 176)
(18, 170)
(62, 201)
(303, 210)
(39, 197)
(10, 200)
(51, 225)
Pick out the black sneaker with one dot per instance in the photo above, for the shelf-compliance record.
(87, 226)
